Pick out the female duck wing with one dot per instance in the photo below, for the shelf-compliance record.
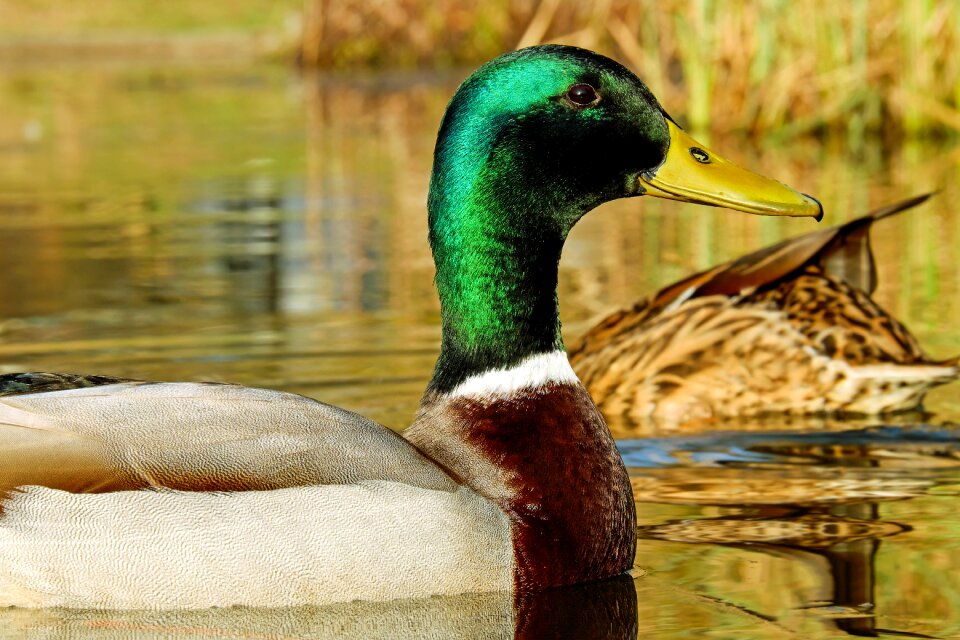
(195, 437)
(790, 327)
(843, 251)
(849, 255)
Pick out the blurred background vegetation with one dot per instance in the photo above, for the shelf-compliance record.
(887, 67)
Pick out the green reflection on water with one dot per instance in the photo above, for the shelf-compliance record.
(248, 225)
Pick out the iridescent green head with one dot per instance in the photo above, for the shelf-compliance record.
(531, 142)
(562, 128)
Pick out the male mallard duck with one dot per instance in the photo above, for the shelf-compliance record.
(789, 328)
(257, 497)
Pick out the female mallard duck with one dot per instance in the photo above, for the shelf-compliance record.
(259, 497)
(790, 328)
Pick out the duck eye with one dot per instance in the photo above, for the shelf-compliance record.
(582, 95)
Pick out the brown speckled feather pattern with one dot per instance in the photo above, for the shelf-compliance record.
(791, 328)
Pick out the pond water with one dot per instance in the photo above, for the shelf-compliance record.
(245, 224)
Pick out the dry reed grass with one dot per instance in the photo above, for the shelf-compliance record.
(859, 66)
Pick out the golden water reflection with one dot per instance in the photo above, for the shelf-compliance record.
(249, 225)
(852, 529)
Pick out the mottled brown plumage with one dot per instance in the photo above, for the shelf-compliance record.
(790, 328)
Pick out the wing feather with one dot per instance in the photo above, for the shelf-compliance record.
(195, 436)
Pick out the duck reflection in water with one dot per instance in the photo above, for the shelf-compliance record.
(825, 519)
(605, 610)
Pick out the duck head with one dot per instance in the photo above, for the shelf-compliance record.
(531, 142)
(566, 129)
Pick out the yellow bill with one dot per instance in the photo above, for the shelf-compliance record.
(693, 173)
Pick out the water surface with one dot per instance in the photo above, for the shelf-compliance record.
(248, 225)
